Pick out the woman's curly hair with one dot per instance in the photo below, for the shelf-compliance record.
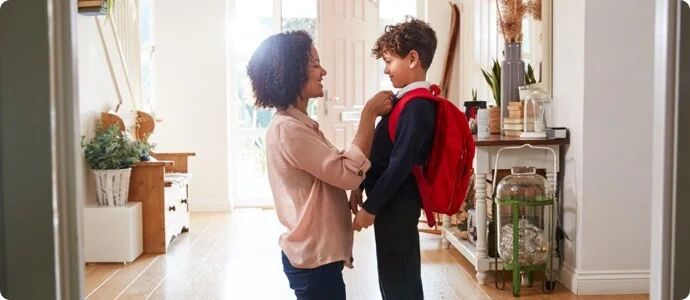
(401, 38)
(279, 69)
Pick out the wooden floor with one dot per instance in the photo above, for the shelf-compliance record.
(236, 256)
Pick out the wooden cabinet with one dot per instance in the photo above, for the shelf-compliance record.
(163, 189)
(161, 185)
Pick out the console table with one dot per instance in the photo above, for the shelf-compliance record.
(485, 158)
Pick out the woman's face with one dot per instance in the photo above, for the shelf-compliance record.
(316, 72)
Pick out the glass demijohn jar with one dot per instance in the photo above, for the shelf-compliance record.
(524, 219)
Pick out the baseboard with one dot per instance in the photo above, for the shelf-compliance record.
(618, 282)
(209, 205)
(568, 278)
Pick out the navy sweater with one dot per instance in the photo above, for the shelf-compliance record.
(390, 177)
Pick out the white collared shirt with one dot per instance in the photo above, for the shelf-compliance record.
(412, 86)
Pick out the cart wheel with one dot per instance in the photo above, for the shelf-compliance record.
(549, 286)
(499, 278)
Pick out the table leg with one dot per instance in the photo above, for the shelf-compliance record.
(480, 206)
(446, 225)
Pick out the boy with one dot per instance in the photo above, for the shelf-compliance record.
(394, 203)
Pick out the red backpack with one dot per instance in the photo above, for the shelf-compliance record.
(444, 181)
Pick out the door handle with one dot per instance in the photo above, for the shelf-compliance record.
(325, 101)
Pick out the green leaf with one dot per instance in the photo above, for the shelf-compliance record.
(111, 149)
(489, 81)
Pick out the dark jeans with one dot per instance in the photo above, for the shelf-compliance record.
(324, 282)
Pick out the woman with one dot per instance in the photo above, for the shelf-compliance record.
(308, 176)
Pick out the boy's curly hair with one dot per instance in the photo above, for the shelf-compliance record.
(279, 69)
(401, 38)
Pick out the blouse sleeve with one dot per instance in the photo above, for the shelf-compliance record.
(303, 148)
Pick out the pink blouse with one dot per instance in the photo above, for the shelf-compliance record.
(308, 178)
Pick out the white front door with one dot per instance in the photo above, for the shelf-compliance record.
(347, 32)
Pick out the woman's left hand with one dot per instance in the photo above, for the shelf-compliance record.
(355, 201)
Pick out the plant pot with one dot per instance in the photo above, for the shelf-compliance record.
(471, 108)
(495, 119)
(112, 186)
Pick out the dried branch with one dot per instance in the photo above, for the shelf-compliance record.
(510, 15)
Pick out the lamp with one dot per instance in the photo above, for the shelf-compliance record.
(535, 107)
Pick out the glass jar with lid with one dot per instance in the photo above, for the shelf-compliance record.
(536, 107)
(524, 219)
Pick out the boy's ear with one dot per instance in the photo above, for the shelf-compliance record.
(413, 57)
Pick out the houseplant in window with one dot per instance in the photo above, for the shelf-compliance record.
(111, 155)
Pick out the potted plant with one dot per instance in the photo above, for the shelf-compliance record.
(471, 107)
(111, 155)
(493, 79)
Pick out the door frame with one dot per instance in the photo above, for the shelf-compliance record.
(665, 245)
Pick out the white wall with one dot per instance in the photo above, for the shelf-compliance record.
(603, 90)
(191, 93)
(568, 105)
(97, 92)
(618, 99)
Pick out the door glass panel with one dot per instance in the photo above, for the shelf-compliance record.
(391, 12)
(252, 180)
(302, 15)
(253, 24)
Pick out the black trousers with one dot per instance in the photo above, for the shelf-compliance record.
(400, 276)
(397, 250)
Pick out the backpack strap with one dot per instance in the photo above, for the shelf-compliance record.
(422, 183)
(429, 94)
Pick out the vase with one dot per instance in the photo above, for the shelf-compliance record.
(112, 186)
(512, 77)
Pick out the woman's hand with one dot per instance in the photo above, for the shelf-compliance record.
(380, 104)
(355, 200)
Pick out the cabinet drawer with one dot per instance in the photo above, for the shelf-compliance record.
(175, 203)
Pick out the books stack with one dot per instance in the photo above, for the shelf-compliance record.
(92, 7)
(513, 125)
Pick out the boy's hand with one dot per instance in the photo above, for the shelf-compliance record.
(363, 219)
(380, 104)
(355, 200)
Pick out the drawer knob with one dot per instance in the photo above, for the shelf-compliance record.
(171, 208)
(183, 201)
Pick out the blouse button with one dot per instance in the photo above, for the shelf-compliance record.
(360, 173)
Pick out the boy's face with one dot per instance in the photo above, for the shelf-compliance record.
(399, 69)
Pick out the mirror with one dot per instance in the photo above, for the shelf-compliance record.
(482, 43)
(537, 45)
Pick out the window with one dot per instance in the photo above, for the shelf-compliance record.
(302, 15)
(254, 21)
(147, 56)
